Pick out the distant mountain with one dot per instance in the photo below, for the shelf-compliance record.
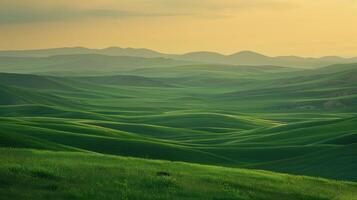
(81, 64)
(253, 58)
(203, 56)
(240, 58)
(145, 53)
(46, 52)
(111, 51)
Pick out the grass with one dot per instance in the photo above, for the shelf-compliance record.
(49, 175)
(301, 122)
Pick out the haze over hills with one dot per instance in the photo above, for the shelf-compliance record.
(240, 58)
(86, 64)
(212, 100)
(111, 51)
(80, 116)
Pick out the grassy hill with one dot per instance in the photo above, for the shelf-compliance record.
(328, 88)
(301, 122)
(49, 175)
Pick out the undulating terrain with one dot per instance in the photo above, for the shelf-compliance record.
(98, 126)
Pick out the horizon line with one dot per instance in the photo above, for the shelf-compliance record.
(177, 53)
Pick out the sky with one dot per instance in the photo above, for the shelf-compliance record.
(273, 27)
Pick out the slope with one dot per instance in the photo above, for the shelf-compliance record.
(49, 175)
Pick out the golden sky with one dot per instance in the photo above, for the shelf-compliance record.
(272, 27)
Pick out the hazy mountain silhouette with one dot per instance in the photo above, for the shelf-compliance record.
(111, 51)
(240, 58)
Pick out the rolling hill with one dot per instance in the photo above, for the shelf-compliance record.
(84, 115)
(83, 175)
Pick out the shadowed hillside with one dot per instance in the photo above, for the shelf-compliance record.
(301, 122)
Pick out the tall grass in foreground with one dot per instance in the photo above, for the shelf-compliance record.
(29, 174)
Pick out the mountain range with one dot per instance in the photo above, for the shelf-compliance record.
(240, 58)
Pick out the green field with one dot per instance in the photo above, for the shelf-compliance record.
(49, 175)
(100, 127)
